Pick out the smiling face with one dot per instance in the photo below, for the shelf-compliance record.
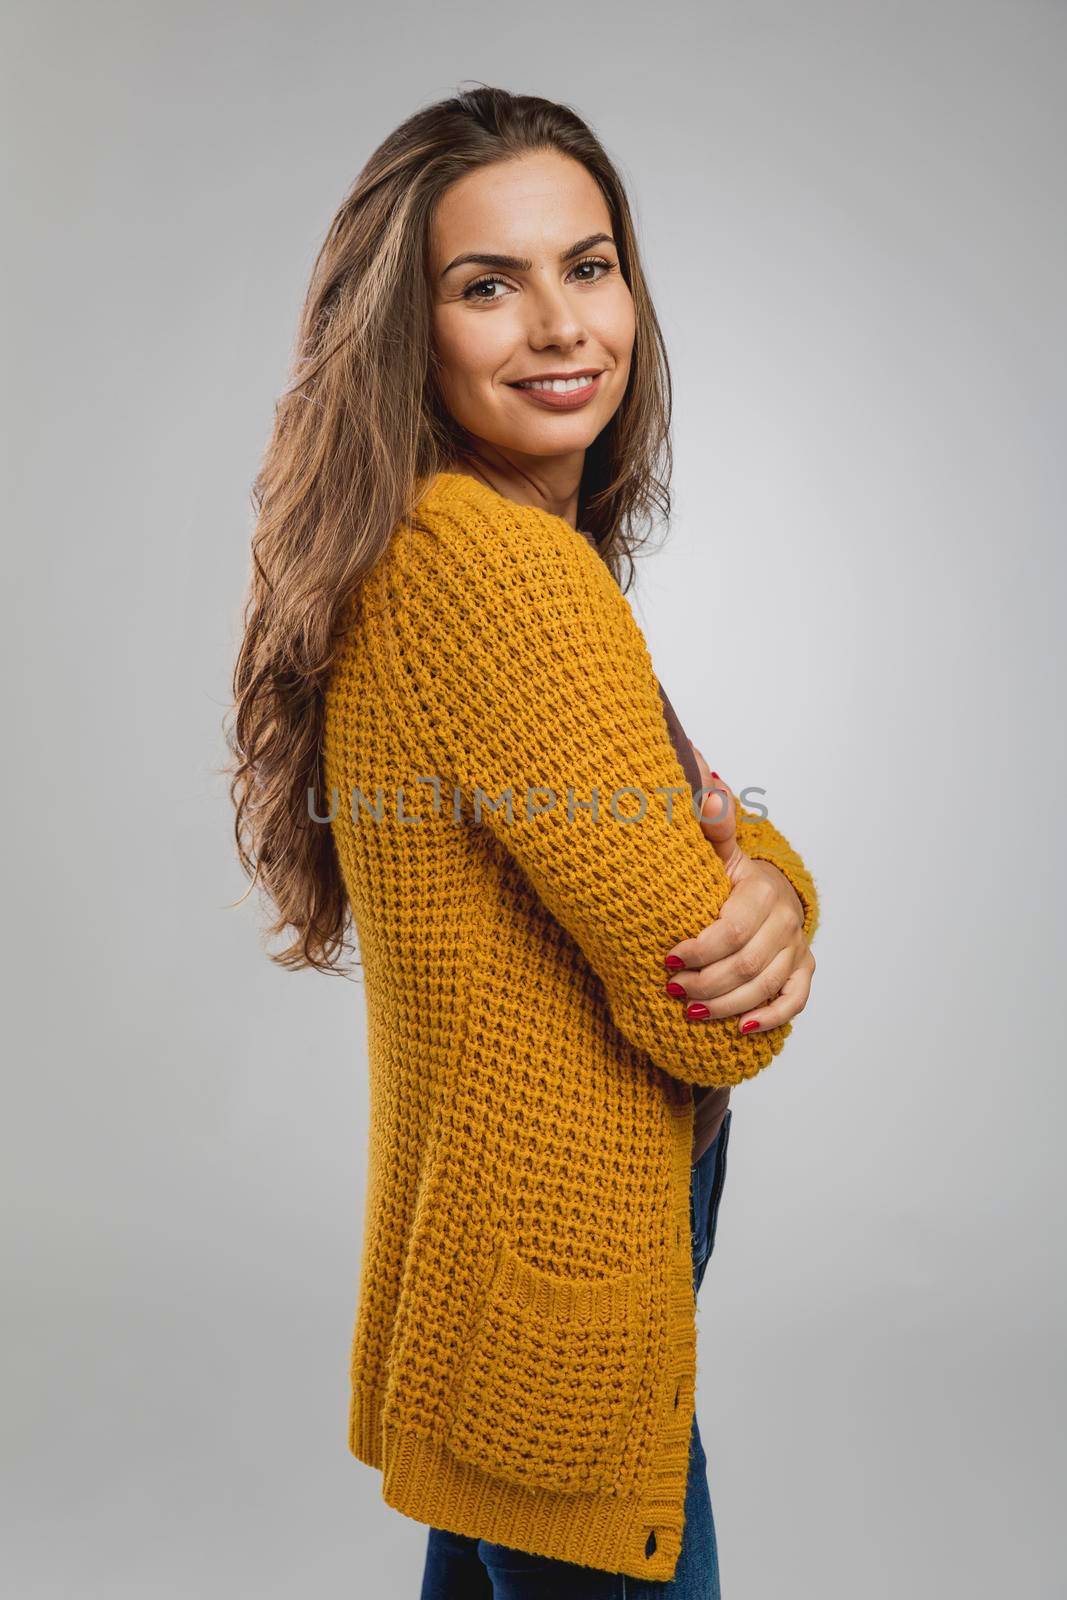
(559, 305)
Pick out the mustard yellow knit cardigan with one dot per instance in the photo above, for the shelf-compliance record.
(524, 1356)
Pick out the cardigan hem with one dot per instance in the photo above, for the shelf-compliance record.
(639, 1534)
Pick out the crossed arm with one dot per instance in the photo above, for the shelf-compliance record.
(522, 663)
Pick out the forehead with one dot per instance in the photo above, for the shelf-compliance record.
(535, 204)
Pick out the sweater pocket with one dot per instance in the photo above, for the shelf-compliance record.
(545, 1394)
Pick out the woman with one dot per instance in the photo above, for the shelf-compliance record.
(437, 641)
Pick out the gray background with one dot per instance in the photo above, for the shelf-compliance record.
(853, 219)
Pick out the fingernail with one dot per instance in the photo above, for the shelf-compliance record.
(747, 1027)
(672, 963)
(697, 1011)
(716, 775)
(676, 990)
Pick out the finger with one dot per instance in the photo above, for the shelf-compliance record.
(745, 999)
(751, 900)
(751, 904)
(790, 1003)
(775, 937)
(718, 817)
(731, 931)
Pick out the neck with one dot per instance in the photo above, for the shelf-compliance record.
(549, 482)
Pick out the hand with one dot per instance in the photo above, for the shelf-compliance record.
(755, 951)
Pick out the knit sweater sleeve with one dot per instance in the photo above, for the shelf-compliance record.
(517, 665)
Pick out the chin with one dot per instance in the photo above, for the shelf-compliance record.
(554, 437)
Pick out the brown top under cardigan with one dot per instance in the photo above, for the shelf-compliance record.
(709, 1105)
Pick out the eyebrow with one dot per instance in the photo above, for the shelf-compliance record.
(521, 263)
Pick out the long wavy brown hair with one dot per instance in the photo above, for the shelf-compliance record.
(356, 436)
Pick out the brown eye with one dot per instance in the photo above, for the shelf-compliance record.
(480, 283)
(595, 261)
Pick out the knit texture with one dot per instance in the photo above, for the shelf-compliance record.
(523, 1363)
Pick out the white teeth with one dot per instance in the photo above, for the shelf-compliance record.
(557, 385)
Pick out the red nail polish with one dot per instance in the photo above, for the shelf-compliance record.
(676, 990)
(672, 963)
(716, 776)
(697, 1011)
(747, 1027)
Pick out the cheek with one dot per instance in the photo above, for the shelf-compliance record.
(619, 325)
(471, 353)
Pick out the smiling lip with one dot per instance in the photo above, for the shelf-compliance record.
(571, 399)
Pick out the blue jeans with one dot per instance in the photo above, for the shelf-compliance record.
(462, 1568)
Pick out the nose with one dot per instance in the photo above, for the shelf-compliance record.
(554, 317)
